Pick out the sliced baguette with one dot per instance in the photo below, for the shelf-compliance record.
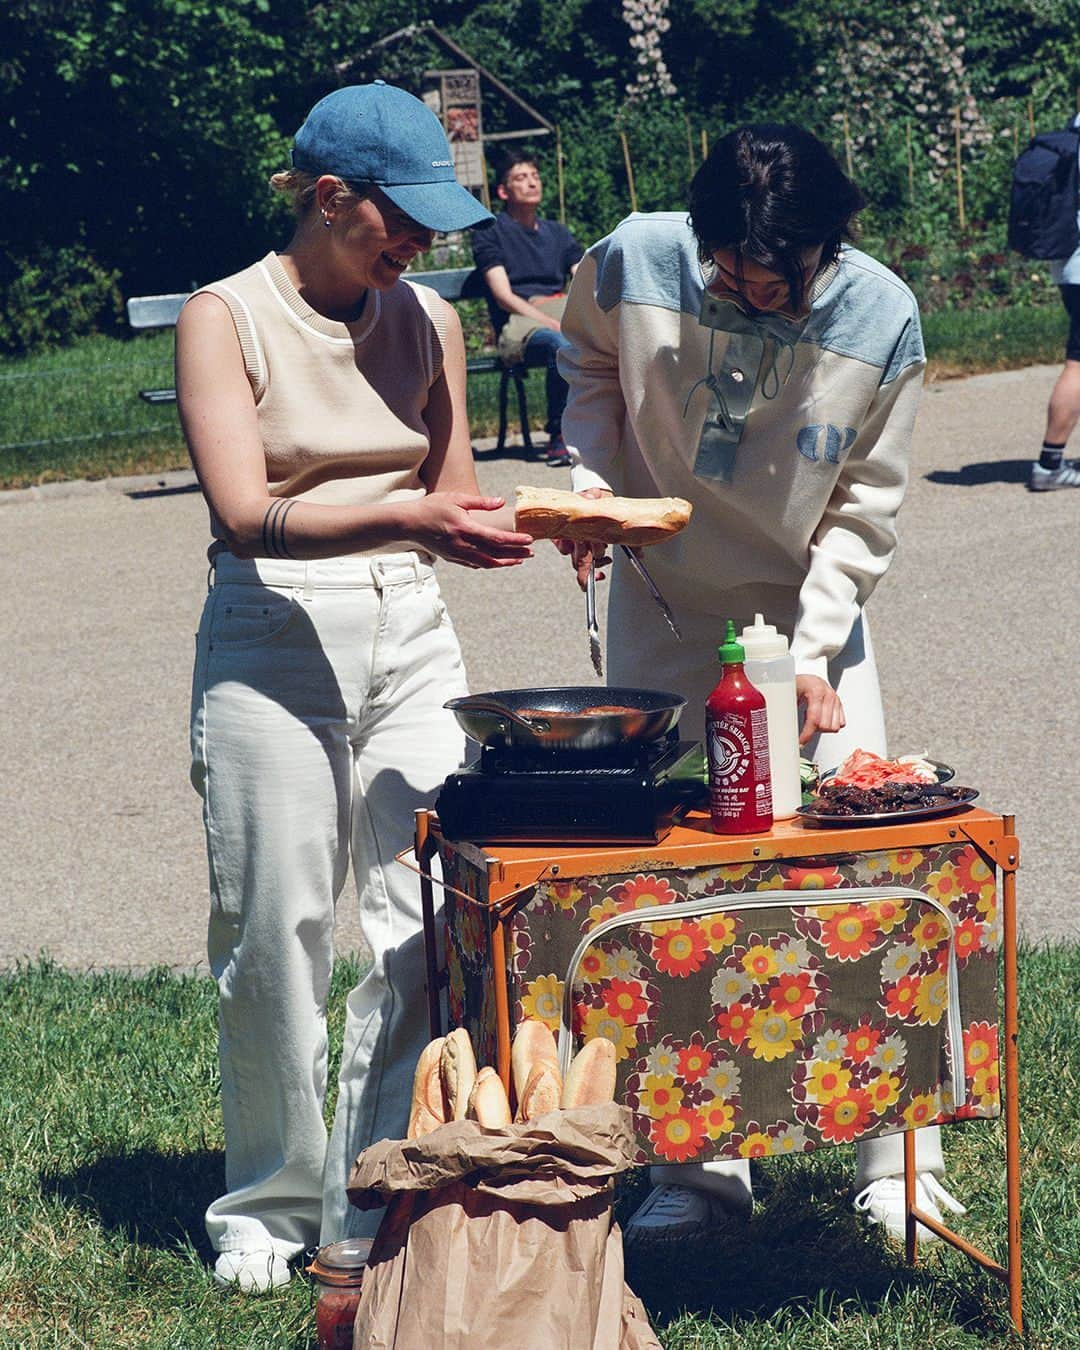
(428, 1109)
(590, 1079)
(550, 513)
(533, 1042)
(542, 1092)
(457, 1068)
(488, 1102)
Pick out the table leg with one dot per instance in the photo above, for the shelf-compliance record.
(910, 1225)
(1012, 1088)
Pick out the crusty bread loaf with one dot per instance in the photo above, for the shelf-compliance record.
(428, 1109)
(542, 1091)
(590, 1079)
(548, 513)
(533, 1042)
(457, 1068)
(488, 1102)
(422, 1122)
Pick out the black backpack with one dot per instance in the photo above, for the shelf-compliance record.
(1045, 196)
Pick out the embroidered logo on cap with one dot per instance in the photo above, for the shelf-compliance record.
(442, 163)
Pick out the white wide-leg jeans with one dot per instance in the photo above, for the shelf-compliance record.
(317, 730)
(654, 658)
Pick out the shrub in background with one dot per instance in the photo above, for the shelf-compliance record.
(55, 296)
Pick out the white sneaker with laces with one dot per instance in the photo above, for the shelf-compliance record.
(251, 1272)
(883, 1202)
(669, 1213)
(1067, 475)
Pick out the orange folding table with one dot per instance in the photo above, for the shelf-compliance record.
(767, 994)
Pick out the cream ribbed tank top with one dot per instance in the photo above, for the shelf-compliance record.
(340, 405)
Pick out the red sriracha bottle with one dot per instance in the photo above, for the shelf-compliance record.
(737, 743)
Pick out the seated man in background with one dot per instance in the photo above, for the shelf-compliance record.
(525, 261)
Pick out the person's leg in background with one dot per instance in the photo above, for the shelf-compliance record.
(542, 349)
(406, 744)
(1052, 470)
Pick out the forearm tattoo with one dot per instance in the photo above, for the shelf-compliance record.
(273, 529)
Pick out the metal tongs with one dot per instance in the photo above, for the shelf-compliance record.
(642, 571)
(590, 618)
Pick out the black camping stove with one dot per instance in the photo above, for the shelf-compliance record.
(628, 794)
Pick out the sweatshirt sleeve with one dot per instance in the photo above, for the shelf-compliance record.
(856, 537)
(592, 424)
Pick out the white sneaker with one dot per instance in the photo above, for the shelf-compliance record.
(669, 1213)
(251, 1272)
(1066, 475)
(883, 1202)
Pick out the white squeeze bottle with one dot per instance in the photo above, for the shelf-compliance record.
(770, 668)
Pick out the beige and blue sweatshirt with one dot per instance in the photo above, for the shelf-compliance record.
(791, 438)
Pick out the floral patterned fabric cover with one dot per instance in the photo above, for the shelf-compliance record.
(753, 1032)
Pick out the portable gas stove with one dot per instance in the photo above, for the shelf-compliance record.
(626, 794)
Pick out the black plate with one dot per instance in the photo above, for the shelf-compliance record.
(942, 807)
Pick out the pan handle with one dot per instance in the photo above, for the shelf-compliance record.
(478, 703)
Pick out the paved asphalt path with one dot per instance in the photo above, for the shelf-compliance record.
(100, 838)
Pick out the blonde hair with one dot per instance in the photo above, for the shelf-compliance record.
(299, 186)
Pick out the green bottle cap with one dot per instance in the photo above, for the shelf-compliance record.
(732, 649)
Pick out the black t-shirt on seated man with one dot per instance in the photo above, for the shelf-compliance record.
(537, 261)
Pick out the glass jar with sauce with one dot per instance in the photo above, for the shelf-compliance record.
(339, 1271)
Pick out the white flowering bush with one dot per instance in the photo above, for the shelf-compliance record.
(647, 21)
(894, 62)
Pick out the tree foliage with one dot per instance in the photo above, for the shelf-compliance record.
(139, 134)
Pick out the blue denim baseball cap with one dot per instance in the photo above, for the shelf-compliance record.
(377, 133)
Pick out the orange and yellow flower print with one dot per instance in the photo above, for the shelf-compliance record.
(612, 996)
(678, 948)
(843, 1119)
(772, 1141)
(684, 1096)
(772, 1035)
(982, 1069)
(659, 1096)
(542, 1000)
(767, 996)
(811, 878)
(840, 1088)
(599, 1022)
(849, 932)
(680, 1136)
(718, 1118)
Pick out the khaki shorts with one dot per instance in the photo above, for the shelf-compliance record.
(519, 328)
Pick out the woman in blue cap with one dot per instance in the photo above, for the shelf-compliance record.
(323, 401)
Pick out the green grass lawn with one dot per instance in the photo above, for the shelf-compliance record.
(112, 1149)
(75, 412)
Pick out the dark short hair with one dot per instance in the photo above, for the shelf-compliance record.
(770, 191)
(509, 159)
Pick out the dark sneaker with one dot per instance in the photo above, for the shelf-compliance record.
(1066, 475)
(557, 453)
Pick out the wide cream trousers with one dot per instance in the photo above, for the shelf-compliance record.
(317, 730)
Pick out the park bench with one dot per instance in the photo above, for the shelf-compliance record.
(452, 283)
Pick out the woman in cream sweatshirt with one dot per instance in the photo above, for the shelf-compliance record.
(749, 359)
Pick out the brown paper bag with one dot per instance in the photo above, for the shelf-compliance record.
(500, 1238)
